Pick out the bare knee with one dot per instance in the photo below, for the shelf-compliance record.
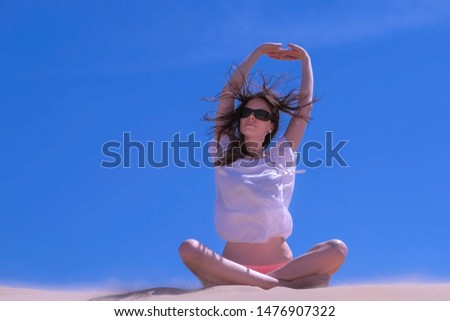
(189, 250)
(337, 249)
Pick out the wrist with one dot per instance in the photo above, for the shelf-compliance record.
(306, 59)
(258, 52)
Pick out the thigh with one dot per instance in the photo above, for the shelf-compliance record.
(213, 269)
(323, 258)
(192, 251)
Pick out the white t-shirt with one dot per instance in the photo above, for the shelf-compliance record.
(253, 195)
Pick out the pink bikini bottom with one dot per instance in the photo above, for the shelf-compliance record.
(265, 269)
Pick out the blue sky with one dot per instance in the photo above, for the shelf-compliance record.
(76, 75)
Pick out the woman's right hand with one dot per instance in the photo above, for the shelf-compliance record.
(269, 48)
(294, 52)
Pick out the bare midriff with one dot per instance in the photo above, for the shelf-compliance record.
(274, 251)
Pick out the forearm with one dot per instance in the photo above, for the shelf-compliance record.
(237, 81)
(305, 95)
(238, 78)
(307, 85)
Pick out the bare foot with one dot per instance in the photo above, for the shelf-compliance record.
(308, 282)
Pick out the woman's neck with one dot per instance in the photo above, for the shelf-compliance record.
(255, 149)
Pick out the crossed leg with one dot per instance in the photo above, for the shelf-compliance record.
(312, 269)
(324, 258)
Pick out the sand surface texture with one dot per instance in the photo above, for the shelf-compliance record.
(366, 292)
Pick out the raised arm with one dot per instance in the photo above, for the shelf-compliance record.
(237, 80)
(297, 125)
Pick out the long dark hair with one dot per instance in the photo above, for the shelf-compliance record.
(229, 122)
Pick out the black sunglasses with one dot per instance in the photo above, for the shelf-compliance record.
(260, 114)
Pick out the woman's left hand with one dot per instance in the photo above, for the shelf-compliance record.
(294, 53)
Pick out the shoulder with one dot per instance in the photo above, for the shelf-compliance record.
(217, 147)
(220, 143)
(282, 152)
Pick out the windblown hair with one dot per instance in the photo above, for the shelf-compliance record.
(228, 124)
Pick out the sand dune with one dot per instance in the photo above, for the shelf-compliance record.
(366, 292)
(25, 294)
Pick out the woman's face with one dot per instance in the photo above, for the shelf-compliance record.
(252, 128)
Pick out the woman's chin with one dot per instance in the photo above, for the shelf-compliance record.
(251, 133)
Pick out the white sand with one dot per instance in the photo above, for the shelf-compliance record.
(366, 292)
